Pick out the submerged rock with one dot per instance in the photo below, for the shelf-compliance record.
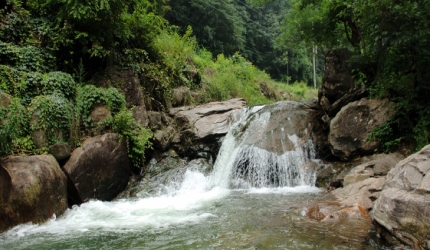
(403, 207)
(100, 169)
(32, 189)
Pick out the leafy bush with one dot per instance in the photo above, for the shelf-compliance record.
(13, 125)
(137, 137)
(53, 115)
(27, 58)
(89, 96)
(27, 85)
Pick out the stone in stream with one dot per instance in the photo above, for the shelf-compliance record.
(403, 207)
(100, 169)
(32, 189)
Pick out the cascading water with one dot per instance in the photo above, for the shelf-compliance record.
(253, 199)
(240, 165)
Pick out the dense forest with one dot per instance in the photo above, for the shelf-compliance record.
(59, 60)
(55, 55)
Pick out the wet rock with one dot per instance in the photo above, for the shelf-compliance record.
(351, 128)
(32, 189)
(100, 169)
(403, 207)
(61, 151)
(284, 122)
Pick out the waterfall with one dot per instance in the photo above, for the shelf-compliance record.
(243, 165)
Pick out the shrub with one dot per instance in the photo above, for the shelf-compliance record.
(13, 125)
(89, 96)
(137, 137)
(53, 115)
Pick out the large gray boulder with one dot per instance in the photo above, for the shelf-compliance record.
(275, 126)
(403, 207)
(352, 126)
(100, 169)
(208, 120)
(32, 189)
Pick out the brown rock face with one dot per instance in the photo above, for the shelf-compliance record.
(61, 151)
(351, 127)
(181, 97)
(337, 78)
(32, 189)
(100, 169)
(403, 207)
(100, 113)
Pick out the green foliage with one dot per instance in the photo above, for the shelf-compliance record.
(53, 115)
(27, 85)
(137, 137)
(89, 96)
(233, 77)
(175, 49)
(218, 24)
(27, 58)
(13, 124)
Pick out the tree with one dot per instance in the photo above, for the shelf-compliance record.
(391, 41)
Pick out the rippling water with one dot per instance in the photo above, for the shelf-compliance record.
(195, 217)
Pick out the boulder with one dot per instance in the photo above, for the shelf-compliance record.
(403, 207)
(337, 78)
(352, 126)
(32, 189)
(354, 94)
(181, 97)
(158, 120)
(378, 166)
(350, 202)
(208, 120)
(163, 138)
(61, 151)
(276, 127)
(100, 169)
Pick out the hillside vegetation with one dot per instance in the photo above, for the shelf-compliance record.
(55, 56)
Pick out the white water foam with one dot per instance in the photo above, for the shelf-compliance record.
(175, 208)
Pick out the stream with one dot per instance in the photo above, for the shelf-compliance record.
(253, 199)
(195, 217)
